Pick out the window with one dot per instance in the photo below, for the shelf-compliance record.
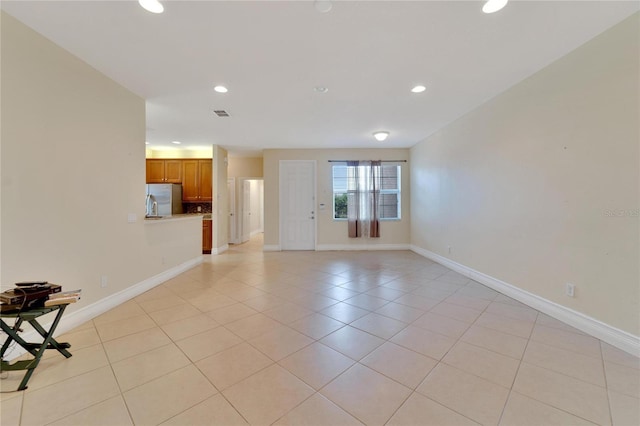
(343, 183)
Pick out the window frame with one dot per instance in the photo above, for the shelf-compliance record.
(397, 191)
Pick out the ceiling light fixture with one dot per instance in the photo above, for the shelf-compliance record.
(321, 89)
(153, 6)
(418, 89)
(146, 143)
(323, 6)
(221, 89)
(381, 136)
(494, 5)
(176, 142)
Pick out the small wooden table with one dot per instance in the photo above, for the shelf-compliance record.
(35, 349)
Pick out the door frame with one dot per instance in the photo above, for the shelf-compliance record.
(233, 239)
(244, 233)
(239, 202)
(314, 165)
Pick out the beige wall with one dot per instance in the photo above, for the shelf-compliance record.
(523, 188)
(329, 231)
(73, 168)
(245, 167)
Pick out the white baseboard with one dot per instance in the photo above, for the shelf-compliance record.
(607, 333)
(76, 318)
(361, 247)
(271, 247)
(220, 250)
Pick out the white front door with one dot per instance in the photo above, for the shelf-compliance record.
(297, 205)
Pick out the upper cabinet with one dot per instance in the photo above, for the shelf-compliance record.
(164, 171)
(196, 180)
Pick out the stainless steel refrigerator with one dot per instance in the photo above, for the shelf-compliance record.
(164, 199)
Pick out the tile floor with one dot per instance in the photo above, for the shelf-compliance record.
(326, 338)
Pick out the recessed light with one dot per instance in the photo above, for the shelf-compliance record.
(153, 6)
(494, 5)
(381, 136)
(321, 89)
(221, 89)
(176, 142)
(418, 89)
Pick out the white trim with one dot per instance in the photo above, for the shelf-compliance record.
(361, 247)
(605, 332)
(86, 313)
(271, 247)
(220, 250)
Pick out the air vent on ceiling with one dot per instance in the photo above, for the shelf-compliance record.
(221, 113)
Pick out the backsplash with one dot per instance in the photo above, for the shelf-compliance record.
(193, 207)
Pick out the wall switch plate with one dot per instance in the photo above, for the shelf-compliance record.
(569, 289)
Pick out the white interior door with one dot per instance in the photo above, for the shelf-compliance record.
(231, 190)
(297, 205)
(245, 232)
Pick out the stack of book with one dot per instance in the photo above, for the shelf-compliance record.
(35, 294)
(28, 295)
(63, 298)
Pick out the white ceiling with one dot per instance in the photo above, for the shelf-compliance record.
(271, 55)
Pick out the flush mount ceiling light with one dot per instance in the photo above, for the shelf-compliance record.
(320, 89)
(146, 143)
(418, 89)
(153, 6)
(494, 5)
(322, 6)
(381, 136)
(221, 89)
(176, 142)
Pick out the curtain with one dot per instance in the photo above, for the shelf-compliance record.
(364, 180)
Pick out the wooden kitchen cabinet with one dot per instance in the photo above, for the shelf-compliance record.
(196, 181)
(164, 171)
(207, 237)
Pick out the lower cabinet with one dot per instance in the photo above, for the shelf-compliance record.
(207, 238)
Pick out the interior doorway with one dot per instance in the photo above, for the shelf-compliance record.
(231, 192)
(246, 218)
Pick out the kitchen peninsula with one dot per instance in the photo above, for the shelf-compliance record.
(195, 177)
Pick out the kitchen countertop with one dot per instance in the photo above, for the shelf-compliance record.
(177, 217)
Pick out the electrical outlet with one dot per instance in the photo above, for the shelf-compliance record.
(199, 209)
(450, 249)
(569, 289)
(163, 260)
(104, 281)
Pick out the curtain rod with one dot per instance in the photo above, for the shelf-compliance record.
(383, 161)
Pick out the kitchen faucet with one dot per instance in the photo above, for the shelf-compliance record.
(154, 206)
